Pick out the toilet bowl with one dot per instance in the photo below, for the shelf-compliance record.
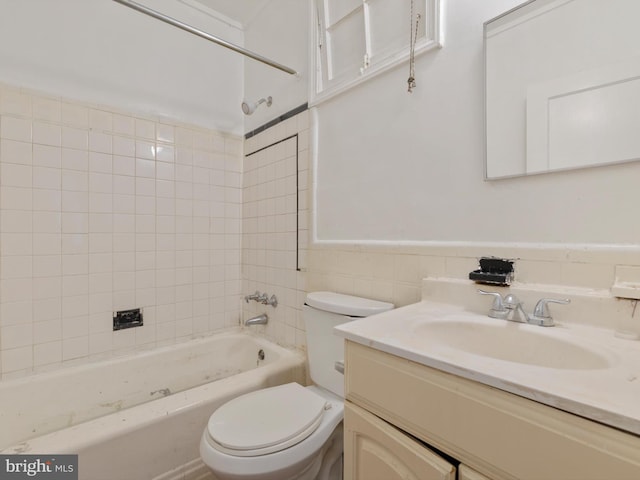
(239, 449)
(290, 432)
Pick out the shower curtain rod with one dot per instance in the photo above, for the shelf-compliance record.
(206, 36)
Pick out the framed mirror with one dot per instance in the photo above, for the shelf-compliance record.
(562, 86)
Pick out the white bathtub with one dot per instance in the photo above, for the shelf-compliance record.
(141, 416)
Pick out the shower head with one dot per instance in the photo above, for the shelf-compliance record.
(249, 108)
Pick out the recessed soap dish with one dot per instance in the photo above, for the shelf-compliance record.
(626, 290)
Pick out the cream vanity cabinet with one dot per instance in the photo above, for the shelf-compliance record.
(397, 409)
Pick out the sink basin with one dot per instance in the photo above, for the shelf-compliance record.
(509, 341)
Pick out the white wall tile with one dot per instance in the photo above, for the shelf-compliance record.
(46, 108)
(16, 152)
(165, 153)
(145, 129)
(44, 177)
(16, 244)
(75, 159)
(73, 348)
(89, 222)
(123, 165)
(100, 120)
(17, 359)
(16, 198)
(12, 128)
(45, 288)
(75, 138)
(75, 115)
(47, 353)
(47, 265)
(15, 102)
(12, 175)
(47, 156)
(100, 162)
(47, 134)
(19, 266)
(17, 221)
(17, 313)
(100, 142)
(47, 200)
(124, 124)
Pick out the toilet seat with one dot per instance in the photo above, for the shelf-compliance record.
(266, 421)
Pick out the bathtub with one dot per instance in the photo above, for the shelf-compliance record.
(140, 416)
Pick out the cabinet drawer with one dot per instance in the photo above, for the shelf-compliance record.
(497, 433)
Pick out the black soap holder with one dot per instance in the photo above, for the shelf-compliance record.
(493, 271)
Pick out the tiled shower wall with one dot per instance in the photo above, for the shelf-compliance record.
(274, 231)
(104, 210)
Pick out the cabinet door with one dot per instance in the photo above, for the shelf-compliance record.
(374, 450)
(466, 473)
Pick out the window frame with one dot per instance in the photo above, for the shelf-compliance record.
(318, 45)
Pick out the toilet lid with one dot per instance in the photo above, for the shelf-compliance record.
(266, 421)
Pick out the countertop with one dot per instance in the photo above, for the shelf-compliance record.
(609, 395)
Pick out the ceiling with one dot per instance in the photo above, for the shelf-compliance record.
(242, 11)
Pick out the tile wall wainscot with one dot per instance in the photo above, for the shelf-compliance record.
(104, 210)
(394, 273)
(270, 225)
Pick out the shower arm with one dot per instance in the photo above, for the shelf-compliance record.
(212, 38)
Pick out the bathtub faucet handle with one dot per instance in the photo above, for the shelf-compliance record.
(273, 301)
(253, 296)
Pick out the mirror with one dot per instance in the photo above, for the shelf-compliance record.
(562, 86)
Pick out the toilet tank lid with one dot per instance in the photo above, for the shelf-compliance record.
(346, 304)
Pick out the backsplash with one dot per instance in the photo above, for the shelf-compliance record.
(395, 273)
(104, 210)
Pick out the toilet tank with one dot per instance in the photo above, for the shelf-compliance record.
(321, 312)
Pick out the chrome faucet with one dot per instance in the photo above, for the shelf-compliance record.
(541, 315)
(262, 298)
(258, 320)
(273, 301)
(510, 308)
(253, 296)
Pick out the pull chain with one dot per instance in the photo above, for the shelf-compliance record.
(413, 38)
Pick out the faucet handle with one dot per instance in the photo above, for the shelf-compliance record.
(253, 296)
(498, 309)
(541, 311)
(511, 301)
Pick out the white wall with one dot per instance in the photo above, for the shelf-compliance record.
(279, 32)
(396, 166)
(102, 52)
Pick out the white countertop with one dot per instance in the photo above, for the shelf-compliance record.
(609, 394)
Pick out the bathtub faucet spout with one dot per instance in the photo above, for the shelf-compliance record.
(259, 320)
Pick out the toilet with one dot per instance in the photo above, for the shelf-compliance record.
(291, 432)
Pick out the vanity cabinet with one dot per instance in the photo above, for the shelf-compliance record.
(493, 434)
